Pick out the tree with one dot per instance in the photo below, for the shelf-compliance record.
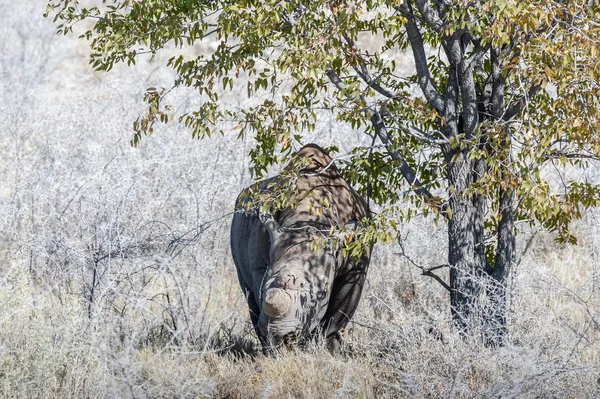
(511, 87)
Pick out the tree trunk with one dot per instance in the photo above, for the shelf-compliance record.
(495, 328)
(465, 233)
(478, 290)
(495, 325)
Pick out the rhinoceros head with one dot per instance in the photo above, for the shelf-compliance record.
(297, 285)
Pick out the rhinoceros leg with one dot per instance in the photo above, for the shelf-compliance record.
(254, 313)
(344, 299)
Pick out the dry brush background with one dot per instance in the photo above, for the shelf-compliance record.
(116, 278)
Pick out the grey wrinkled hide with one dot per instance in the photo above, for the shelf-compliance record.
(293, 291)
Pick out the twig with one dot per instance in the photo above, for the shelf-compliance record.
(358, 323)
(426, 271)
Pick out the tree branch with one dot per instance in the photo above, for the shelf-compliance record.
(451, 94)
(405, 169)
(364, 74)
(468, 93)
(416, 43)
(570, 155)
(429, 272)
(521, 103)
(497, 99)
(421, 135)
(335, 79)
(441, 5)
(429, 15)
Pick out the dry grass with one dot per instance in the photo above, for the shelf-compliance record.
(117, 282)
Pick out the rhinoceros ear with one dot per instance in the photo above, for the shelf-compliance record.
(271, 225)
(347, 233)
(350, 228)
(351, 225)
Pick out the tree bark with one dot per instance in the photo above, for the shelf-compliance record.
(495, 330)
(478, 296)
(464, 231)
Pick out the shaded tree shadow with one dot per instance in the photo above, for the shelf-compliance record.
(236, 346)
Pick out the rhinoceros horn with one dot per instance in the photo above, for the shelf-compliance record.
(277, 302)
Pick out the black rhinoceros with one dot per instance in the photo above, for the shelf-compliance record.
(293, 290)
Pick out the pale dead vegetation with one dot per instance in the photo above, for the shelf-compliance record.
(116, 278)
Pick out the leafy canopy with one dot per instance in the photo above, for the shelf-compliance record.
(530, 96)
